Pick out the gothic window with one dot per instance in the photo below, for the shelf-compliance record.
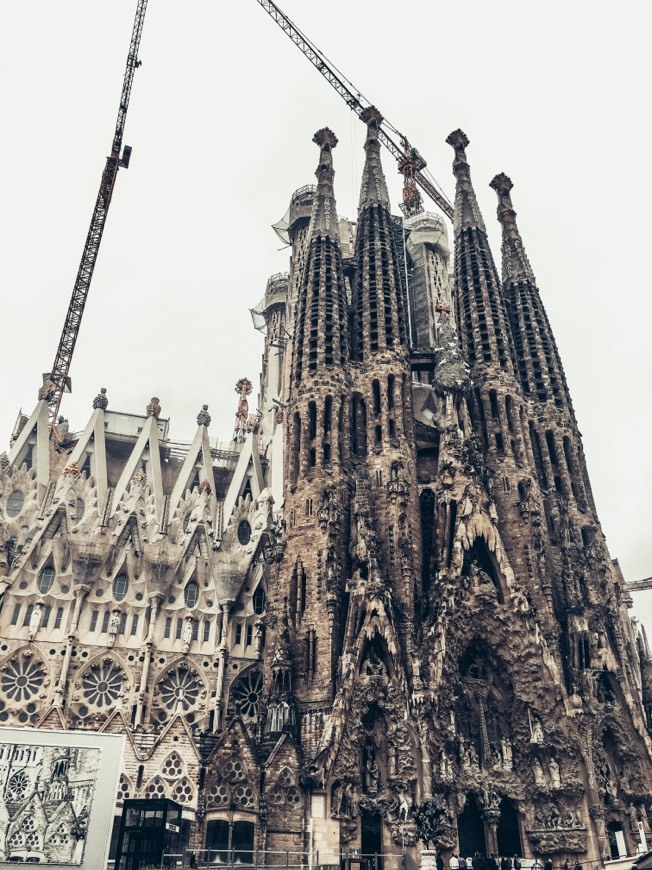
(22, 678)
(60, 835)
(15, 503)
(58, 617)
(246, 694)
(101, 684)
(293, 796)
(124, 788)
(276, 796)
(285, 778)
(172, 766)
(120, 586)
(243, 795)
(15, 614)
(183, 792)
(17, 786)
(244, 532)
(179, 691)
(156, 788)
(45, 580)
(219, 795)
(191, 593)
(233, 769)
(80, 507)
(168, 626)
(259, 600)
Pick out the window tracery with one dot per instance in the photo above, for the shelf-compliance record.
(172, 766)
(102, 683)
(22, 677)
(183, 792)
(179, 692)
(243, 795)
(156, 788)
(245, 694)
(124, 788)
(219, 795)
(17, 786)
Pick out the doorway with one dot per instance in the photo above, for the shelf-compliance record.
(371, 839)
(470, 830)
(508, 834)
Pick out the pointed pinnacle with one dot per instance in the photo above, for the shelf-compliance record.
(516, 266)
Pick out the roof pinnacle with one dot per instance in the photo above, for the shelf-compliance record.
(467, 212)
(516, 266)
(323, 221)
(373, 189)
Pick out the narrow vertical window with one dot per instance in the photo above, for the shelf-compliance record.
(94, 616)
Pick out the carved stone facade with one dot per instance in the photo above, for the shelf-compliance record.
(391, 586)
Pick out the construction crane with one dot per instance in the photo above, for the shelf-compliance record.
(58, 380)
(410, 163)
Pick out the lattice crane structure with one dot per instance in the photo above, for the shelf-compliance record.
(410, 163)
(58, 379)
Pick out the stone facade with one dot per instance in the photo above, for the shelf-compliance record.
(390, 586)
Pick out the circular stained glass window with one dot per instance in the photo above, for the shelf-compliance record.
(244, 532)
(15, 503)
(191, 594)
(180, 687)
(101, 684)
(246, 693)
(45, 580)
(22, 678)
(120, 586)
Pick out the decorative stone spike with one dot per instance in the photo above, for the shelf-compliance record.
(204, 418)
(71, 469)
(373, 188)
(516, 266)
(101, 400)
(154, 408)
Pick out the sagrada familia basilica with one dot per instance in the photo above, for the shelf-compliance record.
(390, 587)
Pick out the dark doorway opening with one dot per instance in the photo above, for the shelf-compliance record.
(470, 830)
(509, 836)
(371, 839)
(616, 839)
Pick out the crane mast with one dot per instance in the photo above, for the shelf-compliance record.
(410, 163)
(58, 379)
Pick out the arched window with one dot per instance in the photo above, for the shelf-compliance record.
(45, 580)
(15, 503)
(259, 600)
(120, 586)
(191, 594)
(80, 507)
(244, 532)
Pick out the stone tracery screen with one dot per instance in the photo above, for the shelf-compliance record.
(52, 797)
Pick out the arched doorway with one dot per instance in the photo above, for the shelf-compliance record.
(470, 830)
(508, 833)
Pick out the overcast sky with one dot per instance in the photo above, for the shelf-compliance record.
(221, 120)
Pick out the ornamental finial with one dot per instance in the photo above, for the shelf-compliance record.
(101, 400)
(154, 408)
(204, 418)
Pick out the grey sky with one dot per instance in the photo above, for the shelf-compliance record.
(221, 120)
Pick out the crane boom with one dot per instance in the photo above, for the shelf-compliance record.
(58, 377)
(410, 162)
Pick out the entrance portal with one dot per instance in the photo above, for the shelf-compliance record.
(371, 838)
(509, 836)
(470, 830)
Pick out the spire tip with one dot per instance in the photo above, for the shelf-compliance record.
(458, 139)
(502, 184)
(325, 138)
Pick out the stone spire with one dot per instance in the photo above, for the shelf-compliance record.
(321, 326)
(539, 364)
(516, 266)
(373, 190)
(323, 221)
(377, 300)
(481, 314)
(467, 211)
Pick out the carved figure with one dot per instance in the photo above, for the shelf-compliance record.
(555, 773)
(537, 770)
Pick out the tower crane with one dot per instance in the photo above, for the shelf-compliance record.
(58, 379)
(410, 163)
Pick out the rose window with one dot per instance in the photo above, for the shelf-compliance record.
(172, 767)
(22, 678)
(233, 769)
(180, 687)
(276, 796)
(285, 778)
(183, 792)
(219, 795)
(17, 786)
(246, 693)
(243, 795)
(156, 788)
(101, 684)
(293, 796)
